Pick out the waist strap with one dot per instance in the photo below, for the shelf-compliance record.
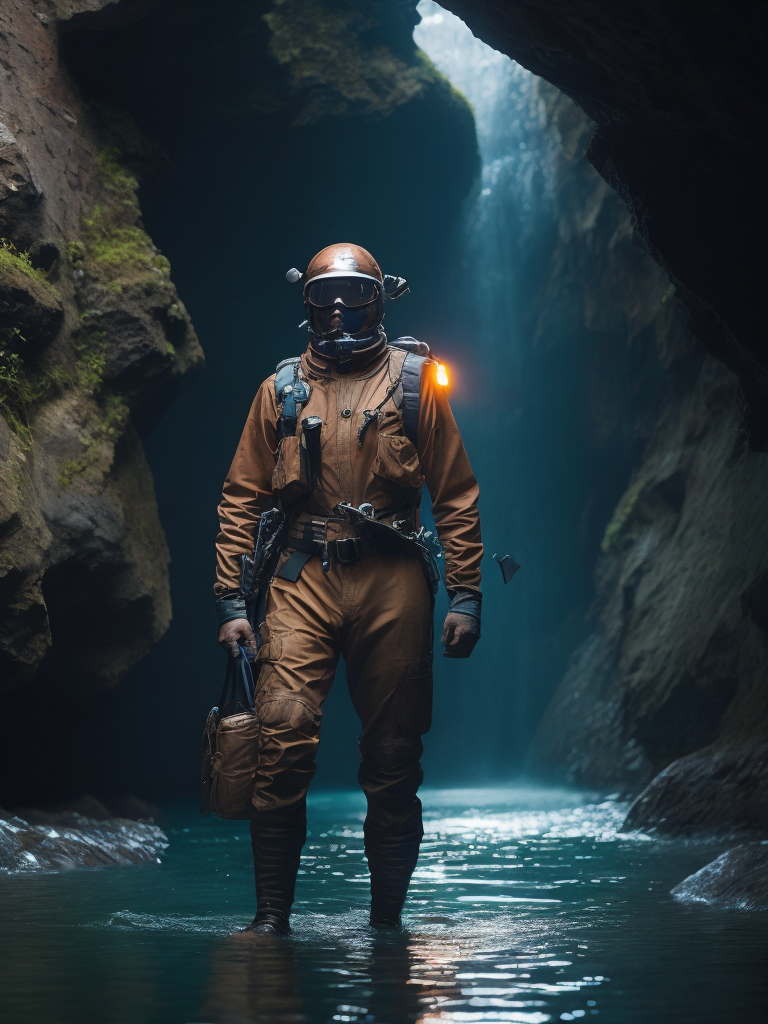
(308, 538)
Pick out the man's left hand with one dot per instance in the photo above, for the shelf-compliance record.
(460, 634)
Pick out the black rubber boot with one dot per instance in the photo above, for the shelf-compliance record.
(277, 839)
(391, 861)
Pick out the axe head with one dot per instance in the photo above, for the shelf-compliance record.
(508, 566)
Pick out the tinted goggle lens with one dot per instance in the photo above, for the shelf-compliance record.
(349, 291)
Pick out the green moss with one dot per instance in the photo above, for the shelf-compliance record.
(91, 361)
(623, 527)
(14, 261)
(74, 252)
(20, 388)
(19, 428)
(122, 256)
(12, 258)
(334, 59)
(114, 250)
(433, 74)
(105, 427)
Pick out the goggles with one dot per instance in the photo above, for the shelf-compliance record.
(346, 291)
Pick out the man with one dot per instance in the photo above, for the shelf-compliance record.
(346, 583)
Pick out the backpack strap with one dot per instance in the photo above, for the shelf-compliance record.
(411, 374)
(416, 354)
(291, 393)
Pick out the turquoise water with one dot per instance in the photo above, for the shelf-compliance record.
(527, 906)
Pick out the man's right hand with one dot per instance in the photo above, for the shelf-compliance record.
(235, 634)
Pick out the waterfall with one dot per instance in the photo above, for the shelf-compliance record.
(504, 247)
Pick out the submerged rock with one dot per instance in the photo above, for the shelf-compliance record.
(736, 880)
(75, 841)
(720, 791)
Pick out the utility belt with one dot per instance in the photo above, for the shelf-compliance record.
(305, 536)
(308, 537)
(344, 550)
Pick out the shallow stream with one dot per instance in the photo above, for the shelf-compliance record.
(528, 906)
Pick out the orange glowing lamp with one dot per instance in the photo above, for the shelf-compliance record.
(442, 375)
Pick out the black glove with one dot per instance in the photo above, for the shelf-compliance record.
(461, 630)
(231, 606)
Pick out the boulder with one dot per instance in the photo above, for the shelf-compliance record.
(736, 880)
(720, 791)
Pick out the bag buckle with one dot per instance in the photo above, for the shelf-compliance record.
(347, 549)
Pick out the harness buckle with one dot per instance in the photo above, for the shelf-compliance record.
(347, 549)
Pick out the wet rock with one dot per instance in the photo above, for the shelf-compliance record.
(677, 657)
(723, 790)
(736, 880)
(69, 814)
(75, 841)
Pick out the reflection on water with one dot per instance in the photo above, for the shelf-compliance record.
(527, 906)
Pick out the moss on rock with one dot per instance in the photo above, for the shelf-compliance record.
(622, 529)
(336, 61)
(115, 251)
(14, 261)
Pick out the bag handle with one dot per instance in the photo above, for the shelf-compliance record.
(239, 687)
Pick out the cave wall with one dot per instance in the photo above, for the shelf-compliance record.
(94, 340)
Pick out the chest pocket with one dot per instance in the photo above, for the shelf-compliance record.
(397, 461)
(290, 479)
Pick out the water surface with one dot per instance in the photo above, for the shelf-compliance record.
(527, 906)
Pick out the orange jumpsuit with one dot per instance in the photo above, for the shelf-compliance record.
(375, 611)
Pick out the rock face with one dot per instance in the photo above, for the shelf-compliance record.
(679, 653)
(93, 340)
(57, 841)
(736, 880)
(676, 94)
(719, 791)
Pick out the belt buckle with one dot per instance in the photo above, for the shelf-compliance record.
(347, 549)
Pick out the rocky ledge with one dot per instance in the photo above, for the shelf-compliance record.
(85, 835)
(722, 791)
(736, 880)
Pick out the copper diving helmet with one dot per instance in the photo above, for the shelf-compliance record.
(344, 292)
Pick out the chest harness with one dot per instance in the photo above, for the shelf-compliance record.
(292, 393)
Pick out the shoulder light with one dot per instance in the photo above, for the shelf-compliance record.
(442, 375)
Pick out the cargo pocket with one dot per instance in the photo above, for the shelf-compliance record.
(415, 687)
(290, 731)
(397, 461)
(233, 765)
(290, 479)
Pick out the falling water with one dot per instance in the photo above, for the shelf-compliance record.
(516, 187)
(508, 220)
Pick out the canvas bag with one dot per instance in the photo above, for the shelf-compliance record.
(229, 751)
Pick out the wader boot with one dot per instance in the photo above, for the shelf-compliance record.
(277, 839)
(391, 861)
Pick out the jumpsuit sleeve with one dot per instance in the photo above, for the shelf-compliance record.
(451, 485)
(247, 489)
